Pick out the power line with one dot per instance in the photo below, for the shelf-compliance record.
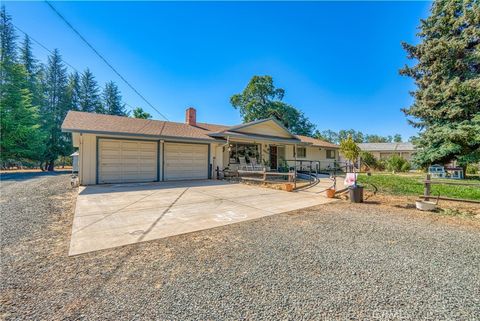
(51, 52)
(103, 58)
(38, 43)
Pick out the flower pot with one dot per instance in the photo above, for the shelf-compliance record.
(425, 205)
(288, 187)
(330, 193)
(356, 194)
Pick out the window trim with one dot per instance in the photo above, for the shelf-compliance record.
(234, 149)
(331, 151)
(298, 152)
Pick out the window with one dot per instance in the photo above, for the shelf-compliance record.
(330, 154)
(301, 152)
(249, 151)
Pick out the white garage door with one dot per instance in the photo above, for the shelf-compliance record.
(122, 161)
(185, 161)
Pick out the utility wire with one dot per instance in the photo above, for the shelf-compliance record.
(51, 52)
(38, 43)
(103, 58)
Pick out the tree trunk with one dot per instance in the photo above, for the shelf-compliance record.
(464, 168)
(51, 166)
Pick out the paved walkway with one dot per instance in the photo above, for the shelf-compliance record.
(107, 216)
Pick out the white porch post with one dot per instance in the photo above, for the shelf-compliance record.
(295, 166)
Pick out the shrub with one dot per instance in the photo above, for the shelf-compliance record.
(369, 160)
(397, 164)
(472, 169)
(406, 167)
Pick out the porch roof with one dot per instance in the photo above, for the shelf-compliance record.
(257, 138)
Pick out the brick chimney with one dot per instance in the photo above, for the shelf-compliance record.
(191, 116)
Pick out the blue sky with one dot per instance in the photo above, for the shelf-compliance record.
(337, 61)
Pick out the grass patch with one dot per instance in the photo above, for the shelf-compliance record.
(413, 185)
(455, 212)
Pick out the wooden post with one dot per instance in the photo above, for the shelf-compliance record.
(426, 191)
(264, 175)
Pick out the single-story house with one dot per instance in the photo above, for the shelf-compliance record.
(115, 149)
(385, 150)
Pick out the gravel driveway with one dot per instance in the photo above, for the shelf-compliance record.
(331, 262)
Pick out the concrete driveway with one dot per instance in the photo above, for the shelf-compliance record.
(108, 216)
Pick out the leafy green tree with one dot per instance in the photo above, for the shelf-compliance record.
(89, 94)
(351, 152)
(55, 110)
(349, 149)
(397, 138)
(356, 136)
(140, 113)
(327, 135)
(376, 139)
(112, 100)
(446, 72)
(260, 100)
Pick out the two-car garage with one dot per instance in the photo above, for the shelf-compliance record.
(129, 160)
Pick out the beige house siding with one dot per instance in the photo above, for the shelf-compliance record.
(266, 128)
(285, 152)
(87, 159)
(312, 154)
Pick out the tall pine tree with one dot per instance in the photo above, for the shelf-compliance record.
(89, 94)
(8, 47)
(55, 110)
(446, 108)
(112, 100)
(73, 91)
(20, 137)
(33, 71)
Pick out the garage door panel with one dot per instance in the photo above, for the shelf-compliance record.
(185, 161)
(122, 161)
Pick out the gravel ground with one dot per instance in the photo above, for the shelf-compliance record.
(332, 262)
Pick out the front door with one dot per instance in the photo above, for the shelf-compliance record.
(273, 157)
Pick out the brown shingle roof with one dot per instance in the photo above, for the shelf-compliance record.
(316, 142)
(98, 123)
(108, 124)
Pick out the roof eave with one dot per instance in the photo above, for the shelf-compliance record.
(258, 137)
(237, 127)
(173, 138)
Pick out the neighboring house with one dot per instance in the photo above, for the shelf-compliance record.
(386, 150)
(114, 149)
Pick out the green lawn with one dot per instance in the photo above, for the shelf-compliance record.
(413, 185)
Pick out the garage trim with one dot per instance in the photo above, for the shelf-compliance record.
(119, 138)
(209, 171)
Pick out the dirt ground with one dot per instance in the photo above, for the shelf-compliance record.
(464, 210)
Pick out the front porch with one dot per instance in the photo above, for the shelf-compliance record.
(237, 156)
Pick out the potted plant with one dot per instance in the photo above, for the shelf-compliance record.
(330, 192)
(351, 151)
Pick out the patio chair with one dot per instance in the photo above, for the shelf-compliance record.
(243, 163)
(255, 165)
